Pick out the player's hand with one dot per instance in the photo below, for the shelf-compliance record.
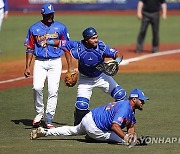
(164, 16)
(43, 43)
(130, 138)
(139, 16)
(27, 73)
(6, 15)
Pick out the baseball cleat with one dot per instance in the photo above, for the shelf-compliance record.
(39, 132)
(50, 126)
(37, 120)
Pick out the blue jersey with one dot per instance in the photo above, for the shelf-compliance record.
(116, 112)
(40, 32)
(89, 58)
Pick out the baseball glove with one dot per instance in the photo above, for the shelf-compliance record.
(110, 68)
(130, 139)
(71, 78)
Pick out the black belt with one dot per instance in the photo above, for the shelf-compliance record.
(46, 59)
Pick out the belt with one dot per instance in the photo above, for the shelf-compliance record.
(46, 59)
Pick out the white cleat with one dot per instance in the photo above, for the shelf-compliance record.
(50, 126)
(37, 120)
(39, 132)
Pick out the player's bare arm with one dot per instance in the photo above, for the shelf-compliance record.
(27, 71)
(164, 11)
(126, 137)
(118, 56)
(139, 10)
(54, 42)
(117, 129)
(69, 61)
(6, 15)
(131, 129)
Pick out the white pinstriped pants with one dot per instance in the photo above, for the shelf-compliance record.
(50, 69)
(87, 126)
(1, 17)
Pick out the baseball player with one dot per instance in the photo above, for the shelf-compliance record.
(104, 123)
(41, 41)
(3, 11)
(90, 52)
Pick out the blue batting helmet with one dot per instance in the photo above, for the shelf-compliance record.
(47, 9)
(89, 32)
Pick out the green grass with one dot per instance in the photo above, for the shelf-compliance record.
(160, 117)
(114, 30)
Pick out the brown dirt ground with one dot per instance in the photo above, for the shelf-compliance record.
(166, 63)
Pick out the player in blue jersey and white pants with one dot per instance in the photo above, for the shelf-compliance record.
(104, 123)
(3, 11)
(90, 52)
(42, 41)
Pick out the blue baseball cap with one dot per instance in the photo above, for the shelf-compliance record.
(137, 93)
(89, 32)
(47, 9)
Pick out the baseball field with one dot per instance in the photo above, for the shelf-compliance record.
(157, 74)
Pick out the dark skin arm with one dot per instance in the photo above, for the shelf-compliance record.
(67, 55)
(69, 61)
(27, 71)
(131, 129)
(118, 54)
(117, 129)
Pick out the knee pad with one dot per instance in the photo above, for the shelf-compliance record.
(82, 103)
(118, 93)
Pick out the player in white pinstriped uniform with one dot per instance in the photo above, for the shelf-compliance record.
(3, 11)
(42, 41)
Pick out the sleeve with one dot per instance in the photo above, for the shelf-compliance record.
(29, 42)
(72, 47)
(5, 5)
(65, 34)
(119, 117)
(107, 51)
(110, 52)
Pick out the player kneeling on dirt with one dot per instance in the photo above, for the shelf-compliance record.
(104, 123)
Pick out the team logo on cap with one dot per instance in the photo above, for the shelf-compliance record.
(50, 7)
(134, 95)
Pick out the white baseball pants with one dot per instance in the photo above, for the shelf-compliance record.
(1, 17)
(87, 126)
(50, 69)
(86, 85)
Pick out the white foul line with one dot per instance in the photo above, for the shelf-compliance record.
(127, 61)
(124, 62)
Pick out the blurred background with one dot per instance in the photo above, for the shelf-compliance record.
(34, 5)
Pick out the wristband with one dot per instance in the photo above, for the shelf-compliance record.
(118, 59)
(51, 42)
